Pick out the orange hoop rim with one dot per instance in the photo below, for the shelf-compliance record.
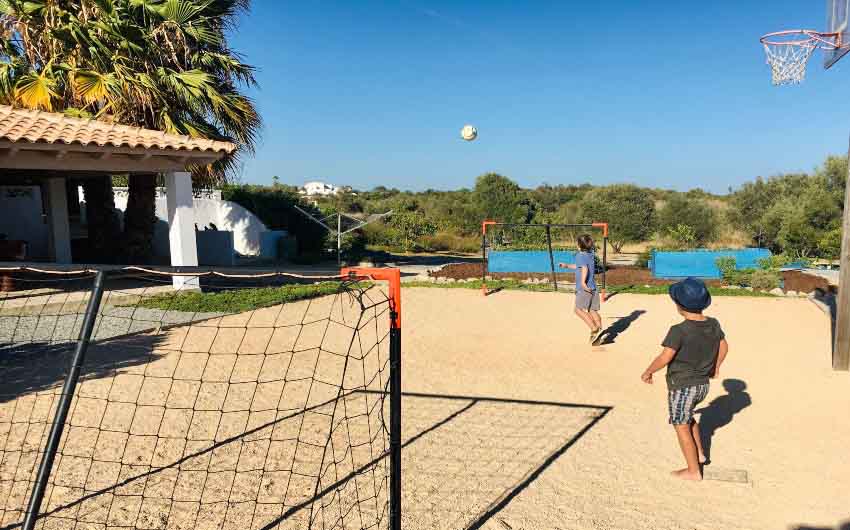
(815, 39)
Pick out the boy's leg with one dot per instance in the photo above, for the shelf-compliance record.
(689, 450)
(585, 316)
(698, 441)
(597, 319)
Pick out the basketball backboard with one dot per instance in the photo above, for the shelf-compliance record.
(837, 13)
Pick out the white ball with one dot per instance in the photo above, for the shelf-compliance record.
(469, 133)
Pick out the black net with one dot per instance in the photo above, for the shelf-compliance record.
(203, 402)
(40, 320)
(532, 237)
(533, 252)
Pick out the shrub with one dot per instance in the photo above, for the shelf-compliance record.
(689, 221)
(726, 264)
(275, 208)
(629, 211)
(829, 244)
(643, 258)
(683, 236)
(446, 242)
(763, 279)
(354, 245)
(403, 231)
(730, 273)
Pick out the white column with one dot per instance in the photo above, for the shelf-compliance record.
(181, 225)
(60, 227)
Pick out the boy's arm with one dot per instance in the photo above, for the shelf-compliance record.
(722, 350)
(658, 363)
(567, 266)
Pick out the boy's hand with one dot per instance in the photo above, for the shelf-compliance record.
(646, 377)
(716, 373)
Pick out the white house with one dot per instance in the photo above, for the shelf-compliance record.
(41, 151)
(318, 188)
(210, 210)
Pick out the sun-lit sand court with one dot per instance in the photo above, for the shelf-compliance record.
(513, 464)
(510, 420)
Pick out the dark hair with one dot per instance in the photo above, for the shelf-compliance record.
(585, 243)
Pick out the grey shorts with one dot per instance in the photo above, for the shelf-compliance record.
(587, 301)
(681, 402)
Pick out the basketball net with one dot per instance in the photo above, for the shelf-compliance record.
(788, 53)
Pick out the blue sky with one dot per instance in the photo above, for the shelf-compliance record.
(658, 93)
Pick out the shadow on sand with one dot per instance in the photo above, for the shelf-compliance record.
(475, 445)
(843, 526)
(827, 298)
(721, 411)
(619, 326)
(38, 366)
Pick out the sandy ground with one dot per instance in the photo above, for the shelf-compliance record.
(786, 429)
(511, 421)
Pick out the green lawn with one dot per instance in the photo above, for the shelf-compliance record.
(238, 300)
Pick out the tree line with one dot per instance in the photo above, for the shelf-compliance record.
(797, 214)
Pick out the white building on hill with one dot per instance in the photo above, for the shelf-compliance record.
(318, 188)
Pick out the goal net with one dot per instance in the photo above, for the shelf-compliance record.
(145, 399)
(532, 252)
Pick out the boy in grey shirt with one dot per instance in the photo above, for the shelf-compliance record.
(587, 296)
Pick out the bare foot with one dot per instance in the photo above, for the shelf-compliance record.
(686, 474)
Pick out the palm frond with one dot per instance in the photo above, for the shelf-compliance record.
(8, 75)
(93, 87)
(164, 64)
(182, 11)
(36, 90)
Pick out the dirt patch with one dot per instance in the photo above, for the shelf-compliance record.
(615, 276)
(642, 276)
(803, 283)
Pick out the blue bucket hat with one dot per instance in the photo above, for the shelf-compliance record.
(690, 294)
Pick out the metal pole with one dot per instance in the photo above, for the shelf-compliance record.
(551, 257)
(395, 425)
(65, 399)
(339, 240)
(484, 261)
(841, 348)
(604, 263)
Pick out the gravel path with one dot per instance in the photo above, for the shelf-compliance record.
(113, 321)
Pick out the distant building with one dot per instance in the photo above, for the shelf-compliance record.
(318, 188)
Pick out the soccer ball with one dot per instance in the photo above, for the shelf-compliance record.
(469, 133)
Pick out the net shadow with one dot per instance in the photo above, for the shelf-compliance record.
(466, 458)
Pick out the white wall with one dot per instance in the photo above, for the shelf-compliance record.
(22, 219)
(226, 215)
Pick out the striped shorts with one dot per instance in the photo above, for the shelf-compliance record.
(681, 402)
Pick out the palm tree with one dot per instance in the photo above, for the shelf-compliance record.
(160, 64)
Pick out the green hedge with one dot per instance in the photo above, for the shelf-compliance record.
(274, 205)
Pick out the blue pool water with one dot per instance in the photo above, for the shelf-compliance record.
(701, 263)
(527, 260)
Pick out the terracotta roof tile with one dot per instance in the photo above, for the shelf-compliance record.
(48, 127)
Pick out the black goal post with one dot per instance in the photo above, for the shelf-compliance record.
(533, 249)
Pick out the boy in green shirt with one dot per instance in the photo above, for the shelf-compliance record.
(693, 352)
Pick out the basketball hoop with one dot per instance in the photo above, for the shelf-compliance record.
(788, 52)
